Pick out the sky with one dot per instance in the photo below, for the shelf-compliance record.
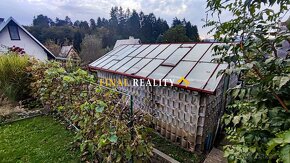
(24, 10)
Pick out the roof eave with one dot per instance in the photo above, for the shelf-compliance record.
(91, 68)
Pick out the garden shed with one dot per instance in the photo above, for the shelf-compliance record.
(186, 111)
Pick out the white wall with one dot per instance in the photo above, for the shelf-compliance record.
(26, 42)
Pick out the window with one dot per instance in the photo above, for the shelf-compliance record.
(13, 31)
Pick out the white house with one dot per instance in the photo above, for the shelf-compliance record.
(13, 34)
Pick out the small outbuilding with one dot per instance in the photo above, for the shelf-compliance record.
(68, 53)
(176, 83)
(12, 34)
(129, 41)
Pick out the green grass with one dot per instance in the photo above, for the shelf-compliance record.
(174, 151)
(40, 139)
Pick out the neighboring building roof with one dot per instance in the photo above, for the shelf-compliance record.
(4, 24)
(166, 61)
(64, 51)
(129, 41)
(68, 52)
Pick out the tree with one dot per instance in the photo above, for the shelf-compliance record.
(113, 22)
(60, 22)
(160, 38)
(109, 39)
(133, 24)
(191, 32)
(91, 48)
(175, 34)
(52, 46)
(68, 21)
(77, 23)
(84, 25)
(121, 23)
(258, 120)
(148, 34)
(93, 25)
(176, 22)
(160, 27)
(127, 13)
(77, 41)
(41, 21)
(99, 22)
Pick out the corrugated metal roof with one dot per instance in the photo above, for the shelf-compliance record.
(193, 61)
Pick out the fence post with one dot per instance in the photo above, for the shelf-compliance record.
(131, 105)
(131, 123)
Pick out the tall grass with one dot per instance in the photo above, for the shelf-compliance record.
(14, 81)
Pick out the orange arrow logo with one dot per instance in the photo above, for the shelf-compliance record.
(182, 79)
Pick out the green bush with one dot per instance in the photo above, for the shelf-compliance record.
(14, 81)
(257, 122)
(101, 114)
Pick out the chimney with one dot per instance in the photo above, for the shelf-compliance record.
(1, 20)
(131, 38)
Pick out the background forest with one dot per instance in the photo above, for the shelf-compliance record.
(92, 39)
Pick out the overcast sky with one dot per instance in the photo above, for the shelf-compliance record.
(24, 10)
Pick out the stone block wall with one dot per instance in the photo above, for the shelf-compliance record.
(213, 106)
(184, 117)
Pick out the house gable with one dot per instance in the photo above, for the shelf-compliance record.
(68, 52)
(73, 54)
(13, 34)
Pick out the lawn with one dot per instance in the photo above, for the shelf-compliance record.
(43, 139)
(40, 139)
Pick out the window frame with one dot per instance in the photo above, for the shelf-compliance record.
(10, 31)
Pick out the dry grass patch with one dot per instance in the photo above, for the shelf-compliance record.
(7, 107)
(10, 110)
